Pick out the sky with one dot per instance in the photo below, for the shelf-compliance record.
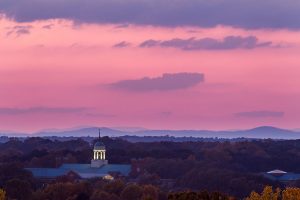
(159, 64)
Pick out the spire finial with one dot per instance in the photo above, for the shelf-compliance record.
(99, 133)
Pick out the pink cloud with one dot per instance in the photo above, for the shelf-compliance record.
(164, 83)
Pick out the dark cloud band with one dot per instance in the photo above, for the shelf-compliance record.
(250, 14)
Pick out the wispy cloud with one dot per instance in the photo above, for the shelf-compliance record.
(48, 26)
(19, 30)
(100, 115)
(227, 43)
(260, 114)
(122, 44)
(48, 110)
(166, 113)
(120, 26)
(163, 83)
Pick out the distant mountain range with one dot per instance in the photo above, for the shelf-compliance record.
(258, 132)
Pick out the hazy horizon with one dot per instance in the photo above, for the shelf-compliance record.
(133, 130)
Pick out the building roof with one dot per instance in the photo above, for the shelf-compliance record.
(83, 170)
(99, 146)
(47, 172)
(276, 171)
(105, 169)
(283, 178)
(75, 166)
(279, 175)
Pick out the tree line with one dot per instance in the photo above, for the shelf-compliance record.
(232, 168)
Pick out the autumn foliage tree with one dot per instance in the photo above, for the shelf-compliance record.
(132, 192)
(18, 189)
(2, 194)
(204, 195)
(269, 194)
(150, 192)
(63, 191)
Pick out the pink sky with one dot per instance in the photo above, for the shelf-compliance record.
(54, 74)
